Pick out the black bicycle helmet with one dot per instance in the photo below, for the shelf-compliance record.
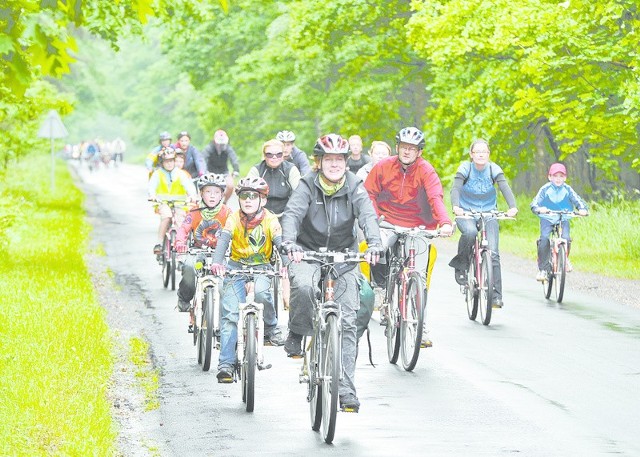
(331, 144)
(411, 135)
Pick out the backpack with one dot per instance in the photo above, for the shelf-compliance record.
(466, 172)
(367, 302)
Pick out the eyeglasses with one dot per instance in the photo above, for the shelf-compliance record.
(409, 149)
(271, 155)
(248, 195)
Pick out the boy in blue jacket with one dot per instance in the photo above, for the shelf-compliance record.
(556, 195)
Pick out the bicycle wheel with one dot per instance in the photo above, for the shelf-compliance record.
(562, 272)
(392, 331)
(166, 271)
(485, 294)
(330, 376)
(471, 290)
(314, 395)
(277, 292)
(547, 286)
(208, 331)
(248, 370)
(173, 260)
(412, 321)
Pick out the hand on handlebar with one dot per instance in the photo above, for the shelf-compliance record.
(511, 212)
(218, 269)
(583, 212)
(446, 229)
(373, 253)
(458, 211)
(292, 250)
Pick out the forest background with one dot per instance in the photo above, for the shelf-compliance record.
(542, 81)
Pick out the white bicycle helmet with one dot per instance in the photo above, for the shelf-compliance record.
(286, 136)
(212, 179)
(411, 135)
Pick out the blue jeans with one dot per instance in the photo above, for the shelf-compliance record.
(469, 230)
(234, 293)
(544, 245)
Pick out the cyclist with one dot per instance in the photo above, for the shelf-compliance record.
(252, 231)
(193, 162)
(151, 162)
(205, 223)
(322, 213)
(357, 159)
(556, 195)
(378, 151)
(474, 190)
(292, 153)
(406, 190)
(217, 154)
(169, 181)
(282, 176)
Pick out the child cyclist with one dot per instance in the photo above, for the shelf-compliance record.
(556, 195)
(167, 183)
(205, 223)
(252, 231)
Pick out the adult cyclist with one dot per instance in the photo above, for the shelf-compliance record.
(407, 191)
(292, 153)
(218, 153)
(322, 213)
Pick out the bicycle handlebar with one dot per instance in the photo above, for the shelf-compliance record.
(411, 231)
(251, 271)
(329, 257)
(502, 215)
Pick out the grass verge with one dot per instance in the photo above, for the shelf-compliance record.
(55, 351)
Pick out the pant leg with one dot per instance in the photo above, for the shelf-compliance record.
(187, 286)
(348, 297)
(303, 278)
(262, 289)
(493, 237)
(468, 232)
(544, 246)
(233, 292)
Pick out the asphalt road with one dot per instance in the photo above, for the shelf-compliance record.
(542, 380)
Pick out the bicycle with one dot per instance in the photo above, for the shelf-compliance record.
(405, 300)
(168, 256)
(322, 363)
(250, 346)
(478, 290)
(206, 308)
(559, 250)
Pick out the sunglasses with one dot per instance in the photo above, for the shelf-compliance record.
(248, 195)
(271, 155)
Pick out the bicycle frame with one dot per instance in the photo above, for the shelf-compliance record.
(204, 337)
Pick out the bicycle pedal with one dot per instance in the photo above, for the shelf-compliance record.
(264, 367)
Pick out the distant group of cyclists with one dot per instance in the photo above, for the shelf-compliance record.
(334, 201)
(97, 152)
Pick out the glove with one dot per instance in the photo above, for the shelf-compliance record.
(373, 253)
(218, 269)
(289, 247)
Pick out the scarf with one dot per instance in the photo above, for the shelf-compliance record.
(330, 188)
(249, 222)
(209, 213)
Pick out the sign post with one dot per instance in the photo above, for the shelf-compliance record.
(51, 128)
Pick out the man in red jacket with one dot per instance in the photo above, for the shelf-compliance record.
(406, 190)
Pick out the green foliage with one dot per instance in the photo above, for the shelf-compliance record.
(504, 70)
(55, 359)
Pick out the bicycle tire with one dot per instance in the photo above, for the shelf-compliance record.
(562, 272)
(486, 287)
(173, 259)
(314, 395)
(392, 330)
(248, 373)
(277, 293)
(166, 273)
(471, 290)
(330, 377)
(208, 321)
(547, 286)
(412, 322)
